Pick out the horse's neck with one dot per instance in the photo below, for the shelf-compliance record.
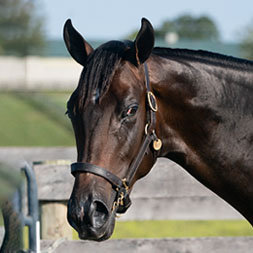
(214, 103)
(204, 130)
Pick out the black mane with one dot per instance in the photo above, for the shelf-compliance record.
(204, 57)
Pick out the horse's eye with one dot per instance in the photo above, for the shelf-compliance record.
(130, 111)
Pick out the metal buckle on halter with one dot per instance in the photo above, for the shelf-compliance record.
(152, 101)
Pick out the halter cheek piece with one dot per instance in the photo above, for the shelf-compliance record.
(122, 200)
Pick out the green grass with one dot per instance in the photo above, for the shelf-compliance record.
(173, 229)
(60, 98)
(179, 228)
(27, 123)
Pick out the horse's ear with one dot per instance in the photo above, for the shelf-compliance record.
(78, 48)
(144, 41)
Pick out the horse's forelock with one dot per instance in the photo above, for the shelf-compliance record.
(98, 72)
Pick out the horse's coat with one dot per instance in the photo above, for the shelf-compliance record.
(204, 119)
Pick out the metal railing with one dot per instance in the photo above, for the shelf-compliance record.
(15, 218)
(32, 218)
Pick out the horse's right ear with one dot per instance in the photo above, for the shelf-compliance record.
(144, 41)
(139, 51)
(78, 48)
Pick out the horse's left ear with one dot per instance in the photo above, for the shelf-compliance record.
(77, 46)
(144, 41)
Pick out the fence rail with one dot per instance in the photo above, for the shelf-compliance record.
(17, 155)
(179, 245)
(167, 192)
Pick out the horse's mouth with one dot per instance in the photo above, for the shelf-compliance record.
(93, 236)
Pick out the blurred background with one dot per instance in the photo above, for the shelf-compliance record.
(37, 75)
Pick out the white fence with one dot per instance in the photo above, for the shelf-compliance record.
(38, 73)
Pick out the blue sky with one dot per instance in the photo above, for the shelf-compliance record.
(112, 19)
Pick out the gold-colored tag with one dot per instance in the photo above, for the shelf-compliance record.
(157, 144)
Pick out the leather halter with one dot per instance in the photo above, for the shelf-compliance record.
(122, 200)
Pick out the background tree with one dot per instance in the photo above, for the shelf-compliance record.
(246, 44)
(21, 28)
(188, 27)
(191, 28)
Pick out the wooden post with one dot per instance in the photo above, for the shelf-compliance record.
(54, 224)
(55, 184)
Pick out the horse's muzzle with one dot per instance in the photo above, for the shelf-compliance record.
(91, 218)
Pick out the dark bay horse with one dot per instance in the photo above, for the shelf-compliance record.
(135, 103)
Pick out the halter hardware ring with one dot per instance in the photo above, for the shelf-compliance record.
(146, 129)
(152, 101)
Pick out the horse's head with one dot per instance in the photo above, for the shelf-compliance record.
(113, 126)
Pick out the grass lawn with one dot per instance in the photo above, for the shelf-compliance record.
(25, 124)
(176, 229)
(179, 228)
(60, 98)
(173, 229)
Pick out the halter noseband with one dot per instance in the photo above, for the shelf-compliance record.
(122, 200)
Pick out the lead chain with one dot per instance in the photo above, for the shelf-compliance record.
(118, 202)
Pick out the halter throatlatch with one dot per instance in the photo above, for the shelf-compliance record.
(121, 186)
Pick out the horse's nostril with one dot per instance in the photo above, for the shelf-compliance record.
(87, 215)
(99, 214)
